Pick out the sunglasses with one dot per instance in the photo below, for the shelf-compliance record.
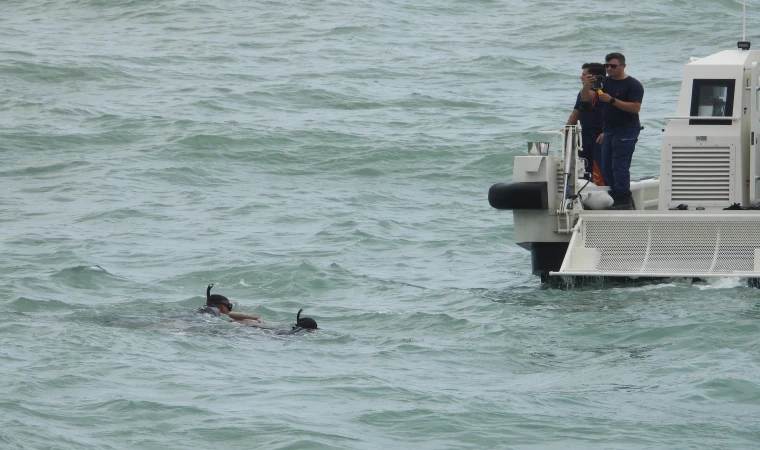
(612, 66)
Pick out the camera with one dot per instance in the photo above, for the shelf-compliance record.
(598, 83)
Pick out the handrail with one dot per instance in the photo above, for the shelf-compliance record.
(555, 133)
(734, 119)
(572, 145)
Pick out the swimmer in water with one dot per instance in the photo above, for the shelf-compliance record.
(217, 305)
(307, 323)
(302, 324)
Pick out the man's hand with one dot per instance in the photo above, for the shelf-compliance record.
(588, 81)
(252, 321)
(605, 97)
(600, 138)
(586, 93)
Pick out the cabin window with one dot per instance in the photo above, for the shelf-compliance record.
(712, 98)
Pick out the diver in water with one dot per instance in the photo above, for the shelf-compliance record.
(302, 324)
(307, 323)
(217, 305)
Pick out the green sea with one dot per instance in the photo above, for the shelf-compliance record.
(336, 156)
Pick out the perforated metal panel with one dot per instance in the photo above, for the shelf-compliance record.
(701, 176)
(666, 245)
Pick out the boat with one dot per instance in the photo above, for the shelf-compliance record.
(698, 218)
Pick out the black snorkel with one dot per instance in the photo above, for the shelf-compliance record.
(307, 323)
(216, 299)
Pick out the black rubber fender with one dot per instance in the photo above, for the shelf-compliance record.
(523, 195)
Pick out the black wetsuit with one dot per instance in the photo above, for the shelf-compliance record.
(205, 309)
(293, 330)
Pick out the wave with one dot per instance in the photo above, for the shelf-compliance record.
(91, 277)
(119, 215)
(49, 73)
(23, 304)
(45, 169)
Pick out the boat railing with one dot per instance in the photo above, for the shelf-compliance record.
(556, 134)
(733, 119)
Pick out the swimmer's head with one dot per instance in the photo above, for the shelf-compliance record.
(217, 300)
(307, 322)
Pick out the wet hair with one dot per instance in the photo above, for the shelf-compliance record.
(594, 68)
(216, 299)
(618, 56)
(307, 322)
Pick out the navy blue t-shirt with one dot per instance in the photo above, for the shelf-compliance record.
(589, 114)
(628, 90)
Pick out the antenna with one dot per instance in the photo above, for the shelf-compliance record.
(744, 43)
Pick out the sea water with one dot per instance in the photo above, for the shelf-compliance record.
(336, 156)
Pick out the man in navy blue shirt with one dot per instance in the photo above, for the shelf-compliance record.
(590, 116)
(621, 97)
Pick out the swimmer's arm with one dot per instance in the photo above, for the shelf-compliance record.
(242, 316)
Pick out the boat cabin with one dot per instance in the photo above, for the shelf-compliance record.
(709, 148)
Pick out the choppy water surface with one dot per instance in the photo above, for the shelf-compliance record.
(335, 156)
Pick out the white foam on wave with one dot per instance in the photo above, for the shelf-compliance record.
(722, 283)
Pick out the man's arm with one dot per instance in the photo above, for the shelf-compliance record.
(635, 95)
(242, 316)
(587, 94)
(573, 119)
(631, 107)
